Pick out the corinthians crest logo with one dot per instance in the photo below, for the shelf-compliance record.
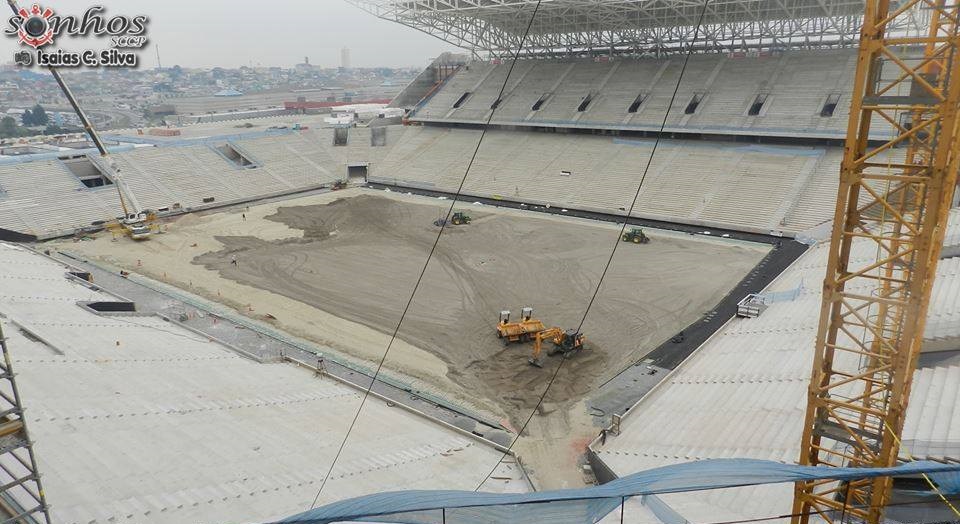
(35, 29)
(38, 26)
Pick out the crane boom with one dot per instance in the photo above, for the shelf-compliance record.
(897, 179)
(134, 216)
(126, 196)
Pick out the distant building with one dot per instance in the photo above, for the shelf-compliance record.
(345, 58)
(304, 106)
(161, 110)
(228, 92)
(305, 66)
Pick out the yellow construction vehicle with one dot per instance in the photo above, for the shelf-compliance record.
(138, 226)
(137, 223)
(568, 342)
(523, 331)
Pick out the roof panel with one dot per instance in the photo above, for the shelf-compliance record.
(637, 26)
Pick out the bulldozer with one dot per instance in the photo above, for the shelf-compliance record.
(568, 342)
(636, 235)
(523, 331)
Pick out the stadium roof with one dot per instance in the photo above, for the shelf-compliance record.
(565, 27)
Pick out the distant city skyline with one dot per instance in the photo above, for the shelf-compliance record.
(229, 34)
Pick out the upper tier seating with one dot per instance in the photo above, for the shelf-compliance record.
(786, 91)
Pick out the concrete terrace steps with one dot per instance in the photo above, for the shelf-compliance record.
(176, 412)
(44, 198)
(935, 432)
(735, 186)
(743, 393)
(944, 320)
(797, 82)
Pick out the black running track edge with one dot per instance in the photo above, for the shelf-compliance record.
(7, 235)
(669, 354)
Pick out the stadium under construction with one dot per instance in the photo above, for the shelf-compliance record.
(718, 230)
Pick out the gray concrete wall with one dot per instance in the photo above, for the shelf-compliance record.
(421, 85)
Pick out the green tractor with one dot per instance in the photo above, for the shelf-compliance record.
(636, 236)
(460, 218)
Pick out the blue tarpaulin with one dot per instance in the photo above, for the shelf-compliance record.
(948, 482)
(587, 504)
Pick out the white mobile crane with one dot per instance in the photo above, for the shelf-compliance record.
(136, 222)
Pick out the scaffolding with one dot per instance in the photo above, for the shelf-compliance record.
(21, 492)
(895, 195)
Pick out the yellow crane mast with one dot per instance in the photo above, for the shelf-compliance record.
(897, 180)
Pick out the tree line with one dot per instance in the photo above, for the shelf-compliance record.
(34, 117)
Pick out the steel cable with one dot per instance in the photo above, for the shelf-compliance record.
(613, 251)
(433, 248)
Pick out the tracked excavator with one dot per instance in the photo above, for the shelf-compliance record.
(569, 342)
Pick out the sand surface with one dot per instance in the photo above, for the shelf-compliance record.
(340, 268)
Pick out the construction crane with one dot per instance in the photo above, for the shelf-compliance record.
(136, 222)
(898, 176)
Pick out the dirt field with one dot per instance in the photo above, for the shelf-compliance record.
(340, 268)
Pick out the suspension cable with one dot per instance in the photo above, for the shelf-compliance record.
(616, 245)
(426, 264)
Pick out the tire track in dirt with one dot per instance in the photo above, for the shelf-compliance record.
(358, 258)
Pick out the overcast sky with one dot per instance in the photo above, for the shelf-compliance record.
(231, 33)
